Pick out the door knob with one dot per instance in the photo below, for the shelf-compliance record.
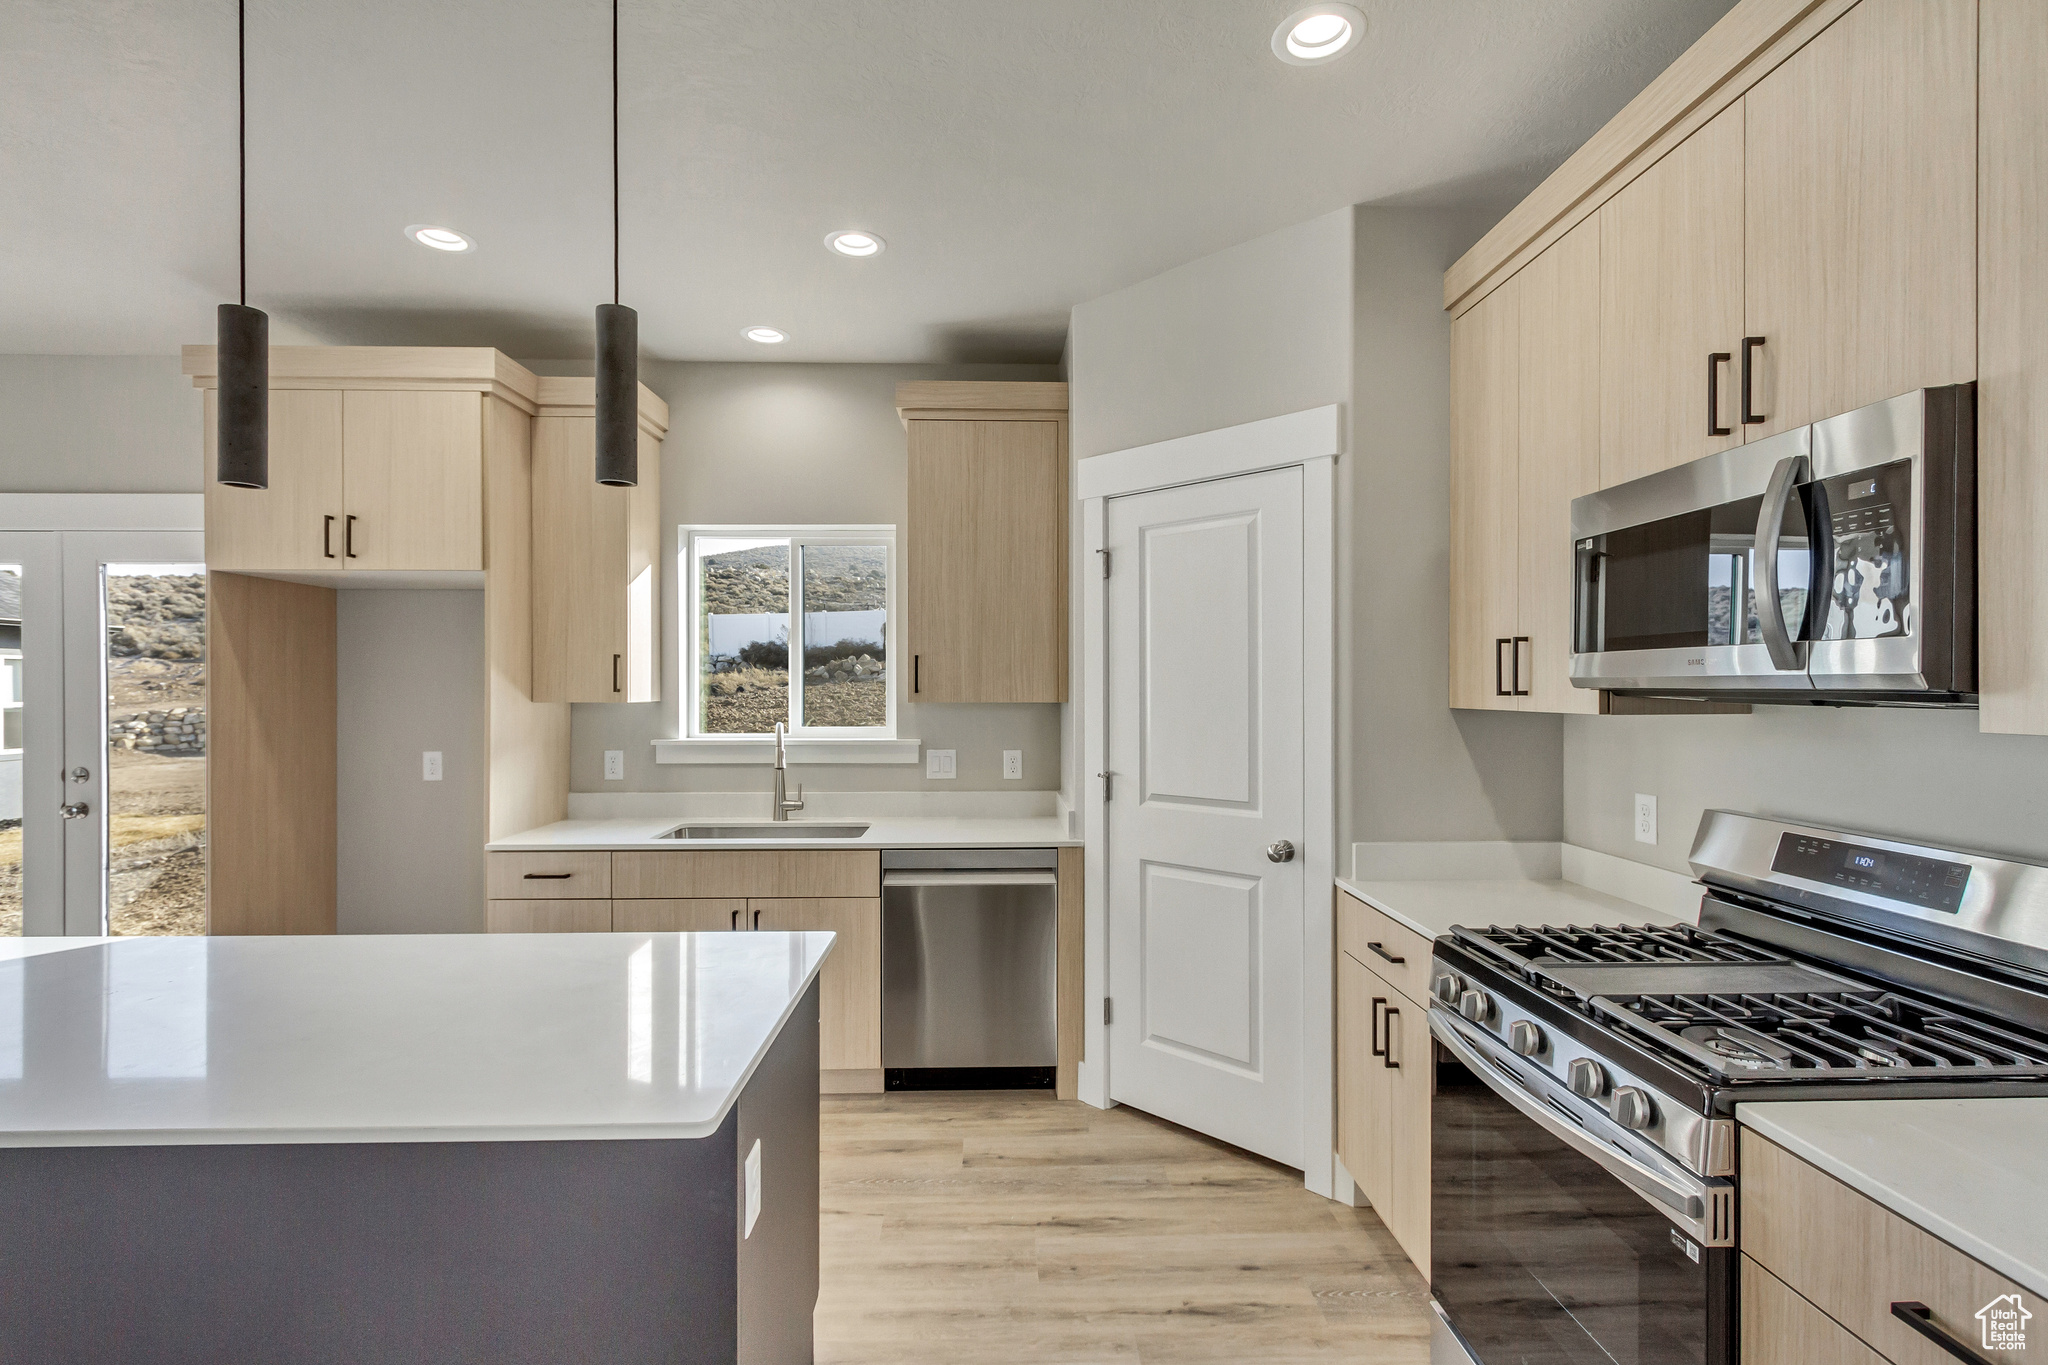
(1280, 851)
(77, 810)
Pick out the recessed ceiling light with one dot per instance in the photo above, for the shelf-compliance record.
(439, 238)
(1314, 35)
(767, 336)
(854, 243)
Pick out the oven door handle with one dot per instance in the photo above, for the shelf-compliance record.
(1786, 655)
(1687, 1201)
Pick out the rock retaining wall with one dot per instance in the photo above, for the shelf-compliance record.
(179, 730)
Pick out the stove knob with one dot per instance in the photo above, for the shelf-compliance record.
(1524, 1038)
(1632, 1108)
(1447, 988)
(1475, 1005)
(1587, 1078)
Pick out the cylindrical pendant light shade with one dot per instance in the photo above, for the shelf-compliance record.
(242, 453)
(618, 395)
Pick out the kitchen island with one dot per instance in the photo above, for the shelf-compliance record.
(419, 1148)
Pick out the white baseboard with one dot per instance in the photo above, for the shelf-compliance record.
(818, 805)
(1673, 893)
(1488, 860)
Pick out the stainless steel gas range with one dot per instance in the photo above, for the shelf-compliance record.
(1583, 1155)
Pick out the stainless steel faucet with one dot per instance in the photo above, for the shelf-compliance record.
(783, 805)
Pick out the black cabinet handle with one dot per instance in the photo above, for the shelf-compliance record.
(1515, 645)
(547, 876)
(735, 921)
(1749, 345)
(1714, 364)
(1387, 1057)
(615, 672)
(916, 672)
(1379, 1003)
(757, 921)
(1920, 1318)
(1500, 688)
(327, 537)
(1385, 955)
(348, 537)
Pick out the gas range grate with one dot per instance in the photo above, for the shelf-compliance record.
(1646, 943)
(1864, 1031)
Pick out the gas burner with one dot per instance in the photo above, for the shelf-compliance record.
(1832, 1031)
(1620, 944)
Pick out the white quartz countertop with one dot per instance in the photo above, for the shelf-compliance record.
(390, 1038)
(1430, 908)
(896, 831)
(1972, 1172)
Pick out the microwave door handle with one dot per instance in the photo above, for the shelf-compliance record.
(1787, 655)
(1688, 1203)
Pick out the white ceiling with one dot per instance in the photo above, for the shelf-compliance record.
(1020, 156)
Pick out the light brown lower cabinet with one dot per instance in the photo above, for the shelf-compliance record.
(1386, 1071)
(849, 988)
(549, 917)
(1848, 1259)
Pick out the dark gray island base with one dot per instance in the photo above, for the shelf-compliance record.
(618, 1251)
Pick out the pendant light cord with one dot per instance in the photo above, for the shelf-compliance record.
(242, 139)
(615, 151)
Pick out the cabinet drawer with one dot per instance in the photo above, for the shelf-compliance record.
(1853, 1258)
(550, 876)
(767, 873)
(1780, 1328)
(1375, 939)
(549, 917)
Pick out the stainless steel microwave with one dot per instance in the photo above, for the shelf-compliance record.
(1830, 563)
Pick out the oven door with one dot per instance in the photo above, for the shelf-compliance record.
(1556, 1237)
(1672, 571)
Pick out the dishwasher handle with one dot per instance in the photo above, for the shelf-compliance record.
(968, 877)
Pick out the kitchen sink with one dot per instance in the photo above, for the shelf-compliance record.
(786, 829)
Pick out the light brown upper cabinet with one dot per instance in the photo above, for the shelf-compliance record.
(1485, 501)
(1524, 442)
(596, 555)
(1859, 264)
(985, 553)
(377, 459)
(1671, 307)
(2012, 390)
(1558, 412)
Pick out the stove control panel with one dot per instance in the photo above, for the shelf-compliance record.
(1929, 883)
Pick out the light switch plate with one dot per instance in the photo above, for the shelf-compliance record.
(430, 765)
(1646, 819)
(615, 765)
(940, 763)
(753, 1187)
(1013, 764)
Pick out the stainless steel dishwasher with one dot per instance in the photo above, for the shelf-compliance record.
(968, 968)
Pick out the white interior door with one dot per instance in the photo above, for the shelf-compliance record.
(1205, 743)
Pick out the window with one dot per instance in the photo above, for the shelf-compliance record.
(10, 701)
(790, 624)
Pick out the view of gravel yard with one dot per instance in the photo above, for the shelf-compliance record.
(744, 635)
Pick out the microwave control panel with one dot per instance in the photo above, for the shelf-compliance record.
(1930, 883)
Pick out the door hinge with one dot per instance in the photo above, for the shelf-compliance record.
(1105, 1011)
(1105, 562)
(1108, 784)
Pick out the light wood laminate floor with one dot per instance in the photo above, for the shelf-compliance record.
(996, 1227)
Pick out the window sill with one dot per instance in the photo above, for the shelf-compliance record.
(802, 749)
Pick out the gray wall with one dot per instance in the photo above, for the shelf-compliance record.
(1926, 775)
(98, 424)
(1412, 768)
(797, 444)
(410, 678)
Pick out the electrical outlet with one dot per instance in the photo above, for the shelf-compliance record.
(615, 765)
(939, 763)
(753, 1187)
(1013, 764)
(430, 766)
(1646, 819)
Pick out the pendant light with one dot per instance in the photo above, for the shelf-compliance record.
(618, 343)
(242, 354)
